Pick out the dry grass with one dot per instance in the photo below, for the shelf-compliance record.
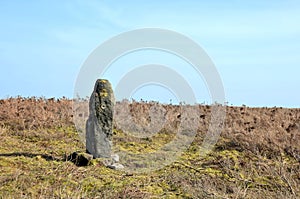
(257, 156)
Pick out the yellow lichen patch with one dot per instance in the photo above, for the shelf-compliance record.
(103, 80)
(103, 93)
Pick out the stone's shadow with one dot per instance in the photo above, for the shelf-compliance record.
(32, 155)
(79, 159)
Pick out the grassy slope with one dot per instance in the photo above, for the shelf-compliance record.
(254, 158)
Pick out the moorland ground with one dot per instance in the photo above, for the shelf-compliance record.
(256, 156)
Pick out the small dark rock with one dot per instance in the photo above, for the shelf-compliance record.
(80, 158)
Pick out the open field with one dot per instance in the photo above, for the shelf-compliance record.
(257, 156)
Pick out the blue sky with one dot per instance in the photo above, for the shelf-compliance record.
(255, 45)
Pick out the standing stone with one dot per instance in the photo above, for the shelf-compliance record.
(100, 121)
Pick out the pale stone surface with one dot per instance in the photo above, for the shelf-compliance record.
(116, 166)
(113, 162)
(115, 158)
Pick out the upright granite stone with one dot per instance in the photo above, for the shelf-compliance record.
(100, 122)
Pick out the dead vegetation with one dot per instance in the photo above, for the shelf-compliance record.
(257, 155)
